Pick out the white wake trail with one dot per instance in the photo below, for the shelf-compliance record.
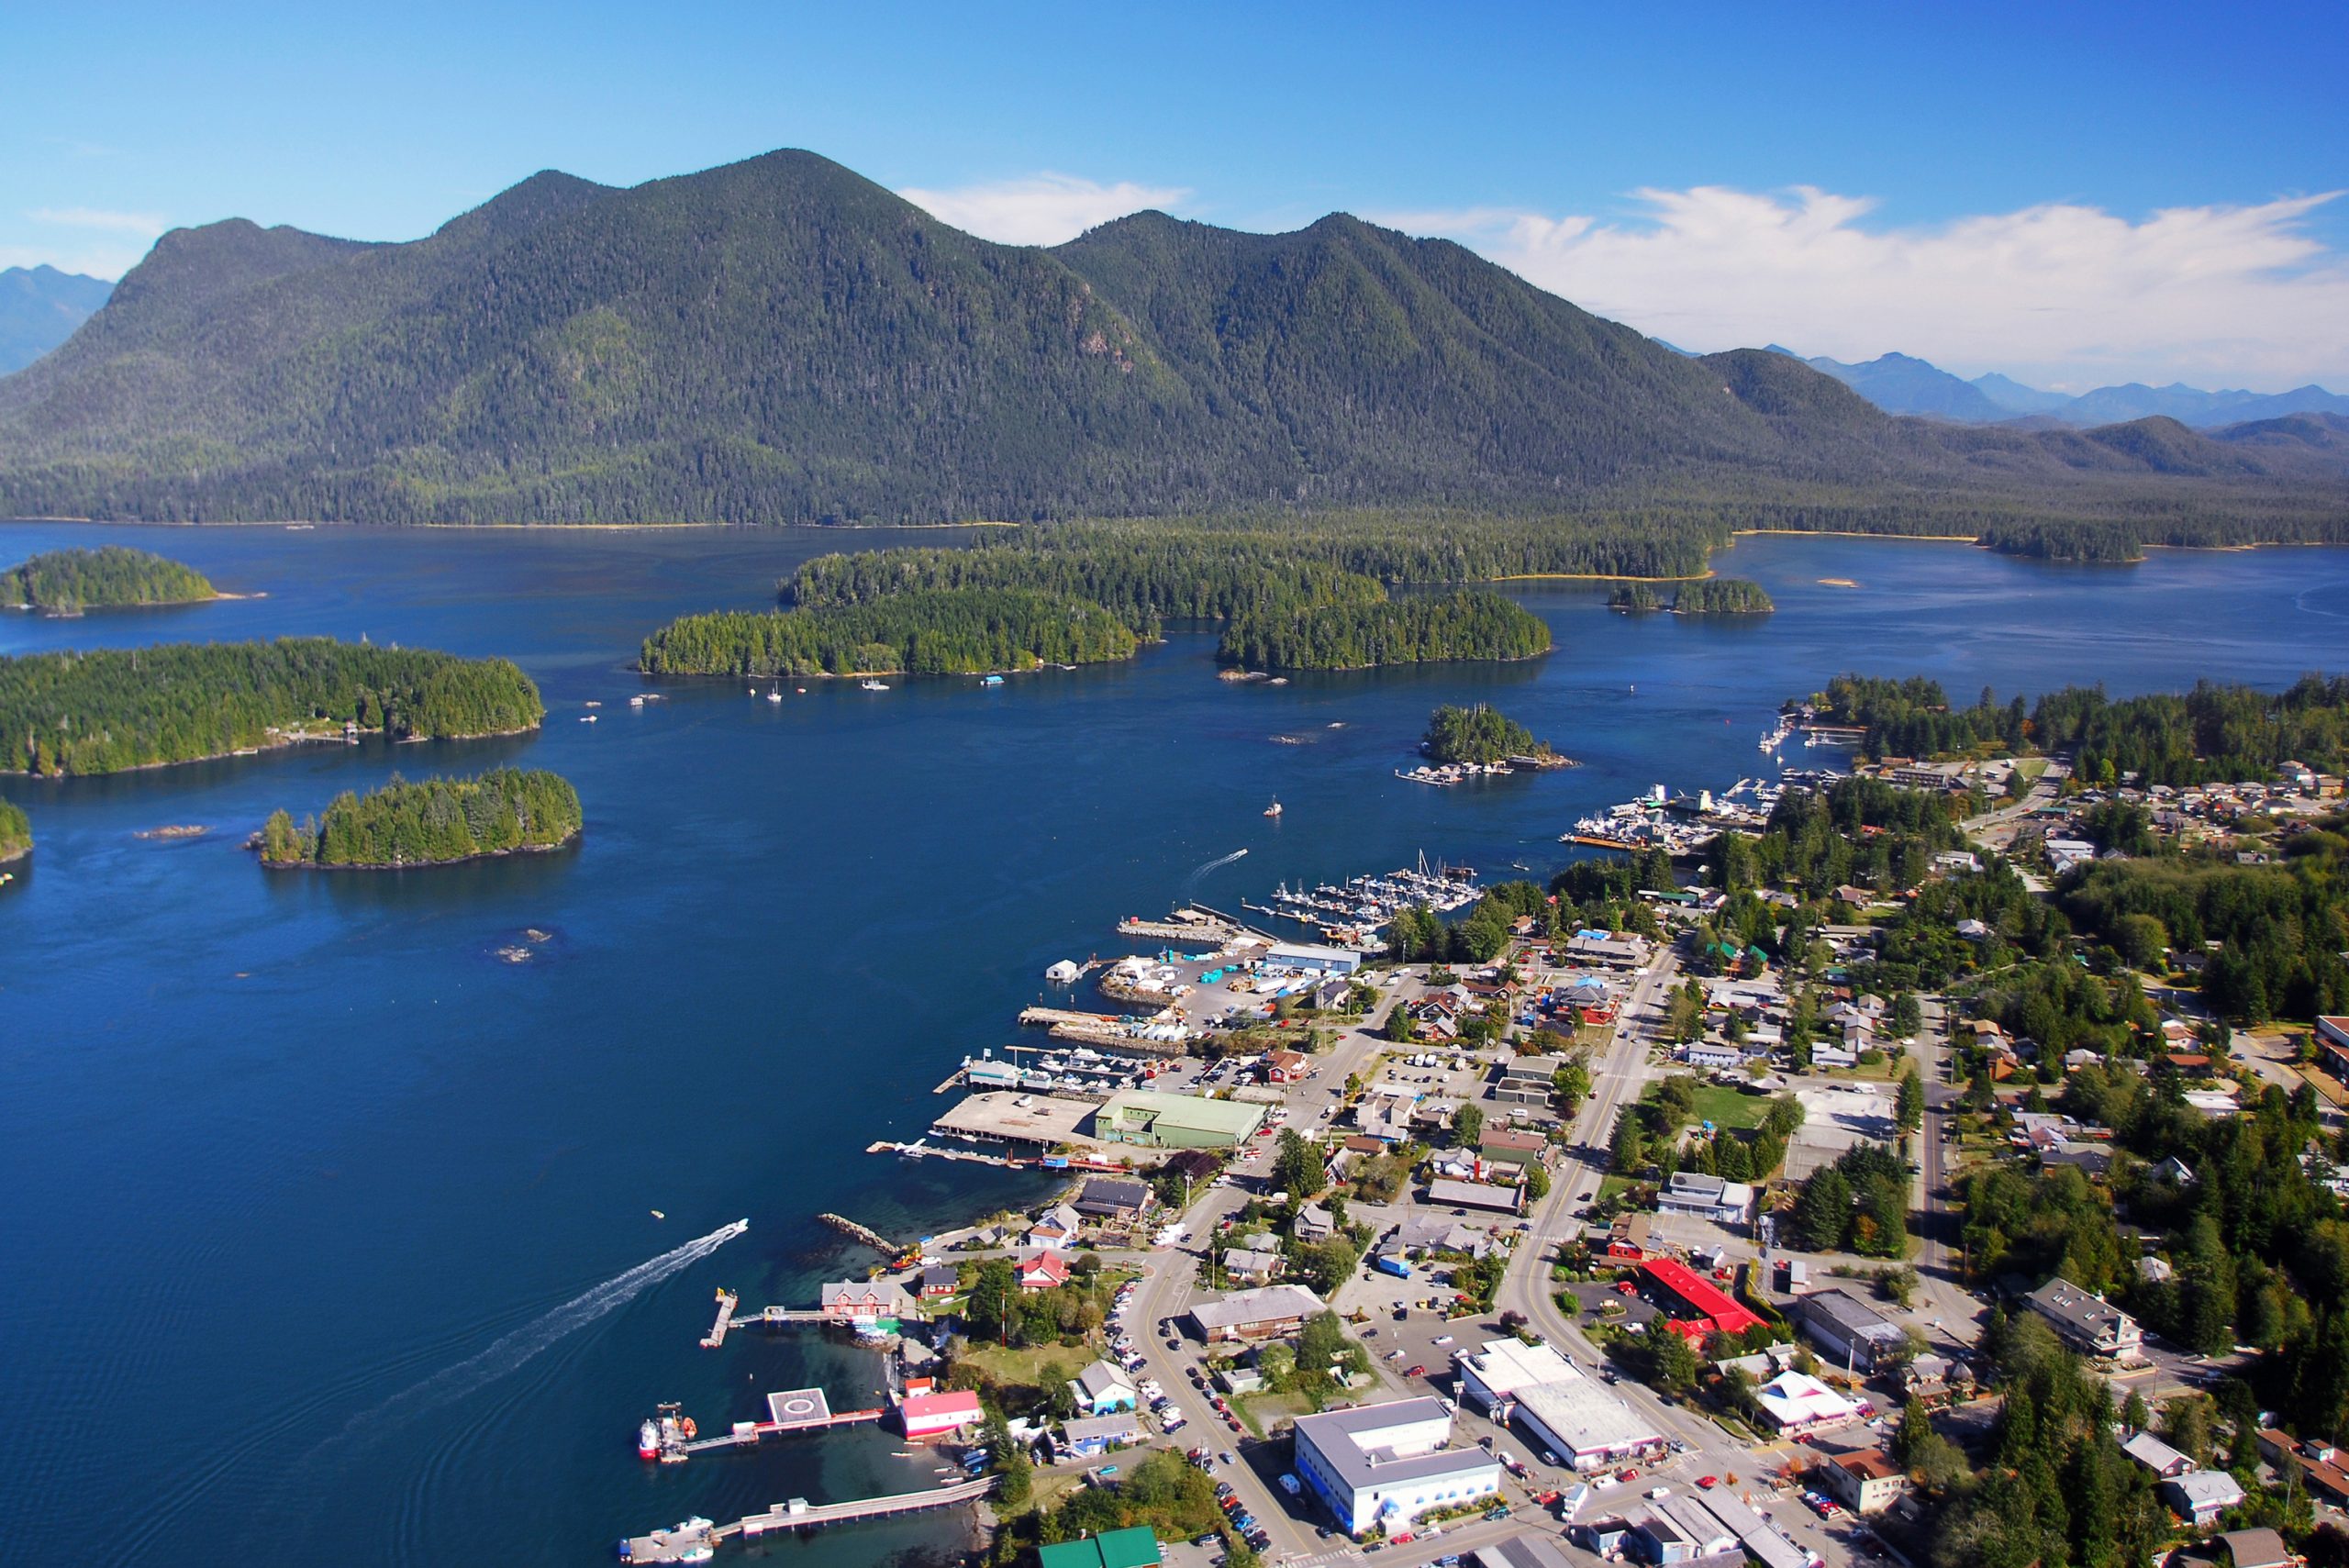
(1197, 875)
(510, 1351)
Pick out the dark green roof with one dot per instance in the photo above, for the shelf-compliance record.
(1133, 1547)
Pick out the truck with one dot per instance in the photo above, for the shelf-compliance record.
(1392, 1263)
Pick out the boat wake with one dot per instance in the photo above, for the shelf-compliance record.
(509, 1352)
(1201, 874)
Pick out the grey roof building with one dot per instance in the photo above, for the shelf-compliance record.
(1848, 1330)
(2086, 1320)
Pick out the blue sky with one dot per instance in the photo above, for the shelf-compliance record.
(1982, 184)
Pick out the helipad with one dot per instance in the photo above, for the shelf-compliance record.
(798, 1407)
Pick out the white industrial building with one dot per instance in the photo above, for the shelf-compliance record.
(1708, 1197)
(1317, 960)
(1560, 1406)
(1390, 1463)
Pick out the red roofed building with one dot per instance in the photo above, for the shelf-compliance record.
(935, 1414)
(1695, 1306)
(1045, 1270)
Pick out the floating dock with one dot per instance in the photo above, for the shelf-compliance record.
(924, 1149)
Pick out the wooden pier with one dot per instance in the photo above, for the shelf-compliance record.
(925, 1149)
(726, 1302)
(747, 1434)
(695, 1536)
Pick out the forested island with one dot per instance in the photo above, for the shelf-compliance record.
(923, 631)
(2212, 733)
(15, 832)
(1310, 597)
(1478, 734)
(1721, 596)
(68, 581)
(432, 822)
(103, 710)
(1635, 598)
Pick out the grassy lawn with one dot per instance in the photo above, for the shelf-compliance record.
(1026, 1367)
(1724, 1107)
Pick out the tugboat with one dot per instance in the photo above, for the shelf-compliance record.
(648, 1441)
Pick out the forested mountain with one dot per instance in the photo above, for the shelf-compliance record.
(781, 340)
(1899, 383)
(40, 309)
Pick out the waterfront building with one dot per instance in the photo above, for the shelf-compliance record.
(866, 1301)
(1176, 1121)
(937, 1415)
(1315, 959)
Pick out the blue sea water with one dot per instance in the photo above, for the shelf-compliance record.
(321, 1219)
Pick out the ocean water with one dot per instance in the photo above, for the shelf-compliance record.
(329, 1234)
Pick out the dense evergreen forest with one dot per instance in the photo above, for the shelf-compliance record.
(1638, 598)
(433, 822)
(1478, 734)
(925, 631)
(15, 830)
(1469, 623)
(67, 581)
(2212, 733)
(1721, 596)
(106, 709)
(781, 340)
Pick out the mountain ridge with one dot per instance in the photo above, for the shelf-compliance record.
(783, 339)
(40, 307)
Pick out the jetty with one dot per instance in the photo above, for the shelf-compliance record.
(864, 1233)
(726, 1302)
(692, 1540)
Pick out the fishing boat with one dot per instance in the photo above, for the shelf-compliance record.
(1274, 809)
(587, 717)
(774, 693)
(871, 685)
(648, 1441)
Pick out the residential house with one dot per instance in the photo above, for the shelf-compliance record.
(1109, 1198)
(1529, 1081)
(1043, 1270)
(1085, 1436)
(1248, 1265)
(1101, 1389)
(1285, 1066)
(1315, 1223)
(1056, 1226)
(1707, 1197)
(2165, 1461)
(2086, 1320)
(937, 1282)
(2260, 1548)
(2200, 1497)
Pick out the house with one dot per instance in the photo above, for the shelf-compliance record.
(938, 1414)
(2333, 1043)
(1529, 1081)
(1107, 1197)
(1797, 1402)
(1867, 1481)
(1285, 1067)
(1041, 1271)
(1101, 1390)
(866, 1301)
(1315, 1223)
(1510, 1146)
(1711, 1053)
(1928, 1374)
(1273, 1311)
(1707, 1197)
(2255, 1549)
(2086, 1319)
(1848, 1331)
(938, 1282)
(1132, 1547)
(2157, 1456)
(1249, 1265)
(1390, 1463)
(1486, 1195)
(1083, 1436)
(1827, 1053)
(2200, 1497)
(1056, 1226)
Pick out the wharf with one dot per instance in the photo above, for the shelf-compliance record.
(691, 1541)
(726, 1302)
(864, 1233)
(922, 1148)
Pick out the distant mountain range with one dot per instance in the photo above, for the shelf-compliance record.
(781, 340)
(1900, 384)
(40, 309)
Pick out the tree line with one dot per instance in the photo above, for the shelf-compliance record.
(106, 709)
(429, 822)
(15, 830)
(67, 581)
(927, 631)
(1721, 596)
(1477, 734)
(1469, 623)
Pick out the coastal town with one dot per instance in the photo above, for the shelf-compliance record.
(1670, 1213)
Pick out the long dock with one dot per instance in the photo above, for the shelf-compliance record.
(746, 1434)
(695, 1536)
(922, 1148)
(864, 1233)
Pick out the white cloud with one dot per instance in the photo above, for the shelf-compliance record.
(1042, 209)
(145, 225)
(2069, 294)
